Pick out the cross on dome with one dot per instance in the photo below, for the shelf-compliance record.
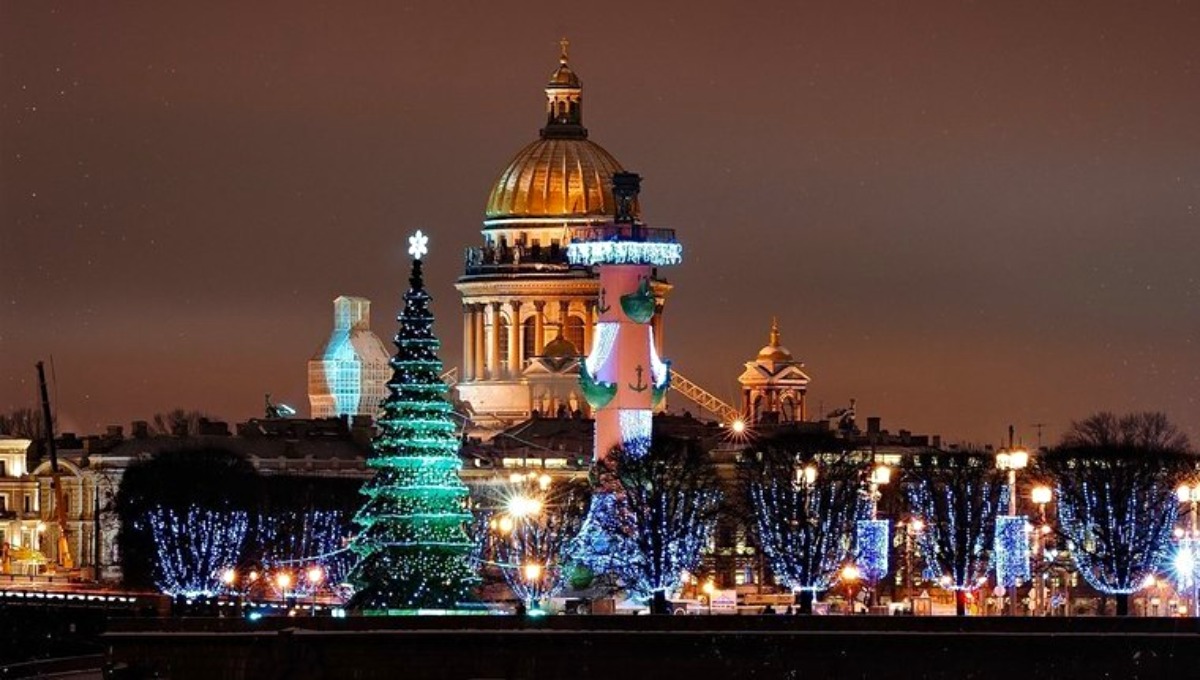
(418, 245)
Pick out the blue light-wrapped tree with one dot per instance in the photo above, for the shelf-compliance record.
(1115, 480)
(959, 497)
(413, 546)
(805, 498)
(661, 506)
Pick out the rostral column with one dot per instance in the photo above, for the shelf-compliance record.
(622, 377)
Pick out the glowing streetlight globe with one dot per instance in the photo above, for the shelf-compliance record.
(315, 575)
(1041, 494)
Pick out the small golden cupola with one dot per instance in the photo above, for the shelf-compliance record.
(564, 101)
(774, 385)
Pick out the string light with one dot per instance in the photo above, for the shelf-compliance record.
(871, 549)
(1118, 535)
(959, 506)
(624, 252)
(413, 546)
(806, 529)
(1012, 550)
(195, 548)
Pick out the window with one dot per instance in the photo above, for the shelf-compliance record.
(3, 502)
(28, 505)
(3, 468)
(529, 340)
(502, 329)
(574, 332)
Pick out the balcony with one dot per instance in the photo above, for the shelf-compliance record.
(515, 259)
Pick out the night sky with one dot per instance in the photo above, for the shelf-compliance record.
(964, 214)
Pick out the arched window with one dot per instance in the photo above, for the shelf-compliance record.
(790, 412)
(502, 329)
(574, 333)
(529, 340)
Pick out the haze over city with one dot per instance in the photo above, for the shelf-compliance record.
(963, 215)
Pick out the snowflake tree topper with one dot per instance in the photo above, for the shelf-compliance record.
(418, 245)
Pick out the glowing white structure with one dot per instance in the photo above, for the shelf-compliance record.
(348, 375)
(623, 377)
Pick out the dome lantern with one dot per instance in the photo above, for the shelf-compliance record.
(564, 101)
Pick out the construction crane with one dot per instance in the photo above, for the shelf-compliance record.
(703, 398)
(60, 509)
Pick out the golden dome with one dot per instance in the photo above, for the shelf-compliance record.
(774, 351)
(563, 76)
(555, 178)
(562, 175)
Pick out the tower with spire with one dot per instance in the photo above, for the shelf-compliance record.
(774, 384)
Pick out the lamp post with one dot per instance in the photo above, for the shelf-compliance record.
(709, 589)
(850, 576)
(873, 570)
(1011, 460)
(1189, 495)
(1041, 495)
(533, 576)
(315, 576)
(912, 529)
(284, 580)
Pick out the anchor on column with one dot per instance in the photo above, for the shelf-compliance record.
(641, 385)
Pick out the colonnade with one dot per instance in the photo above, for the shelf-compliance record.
(485, 324)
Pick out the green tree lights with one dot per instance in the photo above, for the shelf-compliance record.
(413, 544)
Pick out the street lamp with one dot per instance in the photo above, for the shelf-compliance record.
(1011, 461)
(912, 529)
(315, 576)
(808, 474)
(1041, 495)
(1189, 544)
(850, 575)
(533, 576)
(284, 580)
(709, 589)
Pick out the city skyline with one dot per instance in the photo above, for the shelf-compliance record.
(964, 217)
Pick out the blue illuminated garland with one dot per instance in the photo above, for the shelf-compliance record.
(805, 530)
(871, 549)
(1118, 535)
(194, 546)
(959, 507)
(1012, 550)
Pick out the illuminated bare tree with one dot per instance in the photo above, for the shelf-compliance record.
(530, 525)
(1115, 480)
(665, 504)
(958, 496)
(805, 504)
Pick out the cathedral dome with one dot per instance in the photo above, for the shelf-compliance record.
(555, 178)
(563, 175)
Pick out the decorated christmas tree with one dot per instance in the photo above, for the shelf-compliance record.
(412, 545)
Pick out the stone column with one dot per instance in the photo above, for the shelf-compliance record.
(480, 340)
(657, 324)
(514, 340)
(539, 326)
(563, 305)
(494, 345)
(589, 322)
(468, 362)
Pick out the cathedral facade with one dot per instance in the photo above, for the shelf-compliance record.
(528, 314)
